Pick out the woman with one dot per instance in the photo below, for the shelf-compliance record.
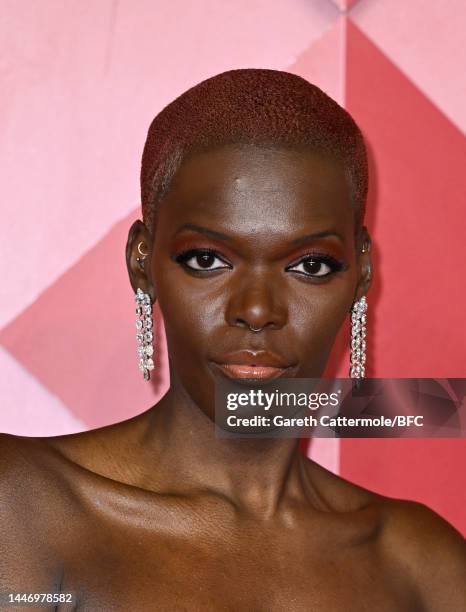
(253, 244)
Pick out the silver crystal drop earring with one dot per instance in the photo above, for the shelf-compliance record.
(358, 338)
(144, 324)
(144, 332)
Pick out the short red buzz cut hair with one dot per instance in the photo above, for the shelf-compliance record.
(251, 106)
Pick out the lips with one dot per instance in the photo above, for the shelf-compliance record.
(255, 365)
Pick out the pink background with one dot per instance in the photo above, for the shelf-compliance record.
(83, 81)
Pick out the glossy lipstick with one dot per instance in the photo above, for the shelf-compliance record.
(246, 371)
(252, 365)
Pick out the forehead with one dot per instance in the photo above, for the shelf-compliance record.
(268, 188)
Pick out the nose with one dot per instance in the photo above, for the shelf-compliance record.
(257, 304)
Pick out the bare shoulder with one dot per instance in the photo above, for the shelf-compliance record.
(430, 550)
(21, 460)
(25, 560)
(29, 472)
(413, 540)
(340, 495)
(43, 466)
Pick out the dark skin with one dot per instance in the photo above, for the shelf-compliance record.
(156, 513)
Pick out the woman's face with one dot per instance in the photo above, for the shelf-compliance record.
(252, 237)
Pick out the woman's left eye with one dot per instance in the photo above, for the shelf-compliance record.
(317, 266)
(200, 260)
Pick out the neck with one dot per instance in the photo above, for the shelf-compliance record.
(258, 475)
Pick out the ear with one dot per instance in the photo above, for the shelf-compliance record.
(364, 263)
(139, 257)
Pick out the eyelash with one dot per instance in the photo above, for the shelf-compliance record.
(334, 264)
(185, 256)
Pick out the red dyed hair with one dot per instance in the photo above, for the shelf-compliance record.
(255, 106)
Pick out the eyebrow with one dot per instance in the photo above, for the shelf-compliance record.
(203, 230)
(222, 236)
(316, 235)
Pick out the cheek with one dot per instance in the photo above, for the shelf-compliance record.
(188, 316)
(316, 313)
(189, 311)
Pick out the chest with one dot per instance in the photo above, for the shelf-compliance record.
(263, 573)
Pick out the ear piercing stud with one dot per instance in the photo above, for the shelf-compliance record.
(140, 260)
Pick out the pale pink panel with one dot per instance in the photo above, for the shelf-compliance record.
(81, 82)
(66, 175)
(29, 408)
(323, 63)
(416, 306)
(427, 41)
(79, 340)
(345, 5)
(326, 452)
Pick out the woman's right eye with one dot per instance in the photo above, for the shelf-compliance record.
(201, 260)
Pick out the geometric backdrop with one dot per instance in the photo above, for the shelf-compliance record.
(82, 83)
